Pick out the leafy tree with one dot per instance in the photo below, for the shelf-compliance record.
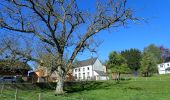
(54, 23)
(156, 52)
(148, 64)
(133, 58)
(117, 64)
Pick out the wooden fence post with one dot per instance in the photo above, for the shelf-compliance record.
(39, 96)
(2, 88)
(16, 93)
(15, 97)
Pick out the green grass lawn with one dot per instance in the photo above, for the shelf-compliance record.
(139, 88)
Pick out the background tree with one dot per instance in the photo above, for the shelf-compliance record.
(148, 64)
(10, 47)
(117, 64)
(133, 58)
(155, 51)
(55, 23)
(10, 61)
(165, 53)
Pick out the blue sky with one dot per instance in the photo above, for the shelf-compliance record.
(156, 30)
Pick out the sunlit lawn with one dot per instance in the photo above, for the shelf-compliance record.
(137, 88)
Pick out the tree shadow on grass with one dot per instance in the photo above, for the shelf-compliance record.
(89, 85)
(70, 87)
(134, 88)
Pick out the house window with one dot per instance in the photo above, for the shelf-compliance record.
(79, 69)
(79, 75)
(83, 69)
(88, 75)
(161, 66)
(83, 75)
(75, 76)
(167, 64)
(75, 70)
(87, 68)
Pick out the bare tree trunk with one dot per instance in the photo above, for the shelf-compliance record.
(118, 78)
(60, 82)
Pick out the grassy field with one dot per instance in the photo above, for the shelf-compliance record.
(136, 88)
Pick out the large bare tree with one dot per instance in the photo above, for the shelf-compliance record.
(57, 24)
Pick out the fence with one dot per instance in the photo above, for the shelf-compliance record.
(8, 93)
(149, 78)
(39, 96)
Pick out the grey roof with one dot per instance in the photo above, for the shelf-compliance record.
(167, 59)
(101, 73)
(86, 62)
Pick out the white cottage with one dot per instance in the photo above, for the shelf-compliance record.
(90, 69)
(164, 68)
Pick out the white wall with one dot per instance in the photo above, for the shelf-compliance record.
(104, 78)
(80, 73)
(104, 68)
(162, 68)
(100, 77)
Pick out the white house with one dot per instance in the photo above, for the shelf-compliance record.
(164, 68)
(90, 69)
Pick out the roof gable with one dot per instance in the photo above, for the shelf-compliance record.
(86, 62)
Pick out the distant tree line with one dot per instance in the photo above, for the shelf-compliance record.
(136, 62)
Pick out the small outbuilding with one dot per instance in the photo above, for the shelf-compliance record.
(14, 68)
